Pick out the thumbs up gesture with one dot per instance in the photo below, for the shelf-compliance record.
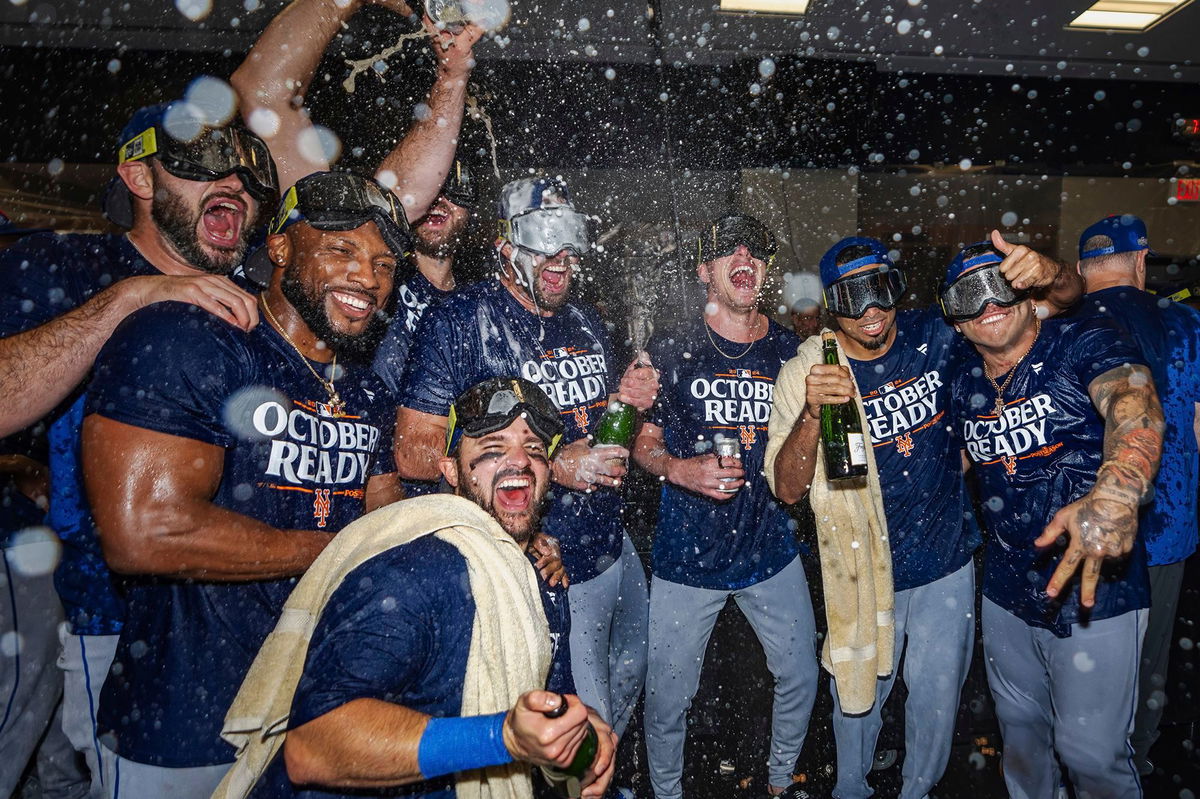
(1025, 268)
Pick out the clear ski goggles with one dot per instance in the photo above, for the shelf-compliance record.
(966, 297)
(343, 201)
(214, 154)
(853, 296)
(496, 403)
(725, 235)
(548, 231)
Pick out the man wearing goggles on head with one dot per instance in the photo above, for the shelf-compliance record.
(720, 532)
(437, 237)
(189, 195)
(522, 322)
(221, 462)
(901, 362)
(1063, 425)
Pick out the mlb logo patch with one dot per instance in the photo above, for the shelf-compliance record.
(560, 352)
(743, 373)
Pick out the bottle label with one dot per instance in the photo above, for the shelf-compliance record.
(857, 445)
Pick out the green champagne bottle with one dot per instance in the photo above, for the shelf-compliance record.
(841, 429)
(568, 782)
(616, 426)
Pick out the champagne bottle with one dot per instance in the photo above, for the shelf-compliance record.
(568, 782)
(841, 429)
(616, 426)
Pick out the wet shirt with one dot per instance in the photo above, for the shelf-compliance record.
(482, 332)
(288, 462)
(42, 277)
(413, 296)
(1168, 335)
(707, 394)
(1039, 457)
(398, 630)
(905, 393)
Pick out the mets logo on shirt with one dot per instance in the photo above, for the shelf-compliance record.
(900, 408)
(1022, 431)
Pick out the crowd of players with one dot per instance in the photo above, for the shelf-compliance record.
(227, 427)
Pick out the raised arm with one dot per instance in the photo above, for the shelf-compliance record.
(151, 495)
(40, 367)
(1103, 523)
(1056, 287)
(420, 440)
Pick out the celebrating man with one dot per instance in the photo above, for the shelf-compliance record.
(219, 463)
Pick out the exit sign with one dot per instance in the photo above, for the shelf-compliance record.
(1187, 190)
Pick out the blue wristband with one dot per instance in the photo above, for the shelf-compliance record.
(462, 743)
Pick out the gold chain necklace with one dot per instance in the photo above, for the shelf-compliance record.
(717, 347)
(336, 406)
(1001, 388)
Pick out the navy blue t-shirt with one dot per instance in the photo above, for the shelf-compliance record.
(707, 394)
(905, 393)
(398, 629)
(1168, 334)
(413, 297)
(482, 332)
(288, 461)
(1040, 457)
(42, 277)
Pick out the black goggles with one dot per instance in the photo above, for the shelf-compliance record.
(496, 403)
(214, 154)
(725, 235)
(966, 297)
(343, 201)
(853, 296)
(459, 187)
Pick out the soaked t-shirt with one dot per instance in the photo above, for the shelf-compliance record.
(413, 297)
(483, 332)
(905, 392)
(1168, 335)
(289, 461)
(1040, 456)
(398, 630)
(710, 393)
(43, 276)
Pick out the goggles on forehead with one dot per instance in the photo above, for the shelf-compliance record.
(343, 201)
(548, 231)
(725, 235)
(214, 154)
(459, 187)
(853, 296)
(495, 404)
(966, 297)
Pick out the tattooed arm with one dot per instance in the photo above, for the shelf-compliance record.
(1103, 523)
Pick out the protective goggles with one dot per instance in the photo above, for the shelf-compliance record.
(548, 231)
(459, 187)
(853, 296)
(966, 297)
(725, 235)
(496, 403)
(343, 201)
(214, 154)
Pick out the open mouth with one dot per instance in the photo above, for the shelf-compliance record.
(743, 277)
(352, 304)
(222, 222)
(514, 493)
(993, 316)
(872, 328)
(554, 278)
(435, 219)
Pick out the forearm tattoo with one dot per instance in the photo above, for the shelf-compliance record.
(1133, 433)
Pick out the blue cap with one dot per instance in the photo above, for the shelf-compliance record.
(831, 272)
(117, 202)
(978, 257)
(143, 118)
(1125, 233)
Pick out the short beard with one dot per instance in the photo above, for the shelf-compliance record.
(519, 528)
(876, 342)
(178, 226)
(440, 246)
(311, 308)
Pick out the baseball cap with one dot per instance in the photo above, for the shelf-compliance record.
(496, 403)
(334, 201)
(191, 149)
(973, 280)
(831, 272)
(1125, 233)
(538, 215)
(852, 296)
